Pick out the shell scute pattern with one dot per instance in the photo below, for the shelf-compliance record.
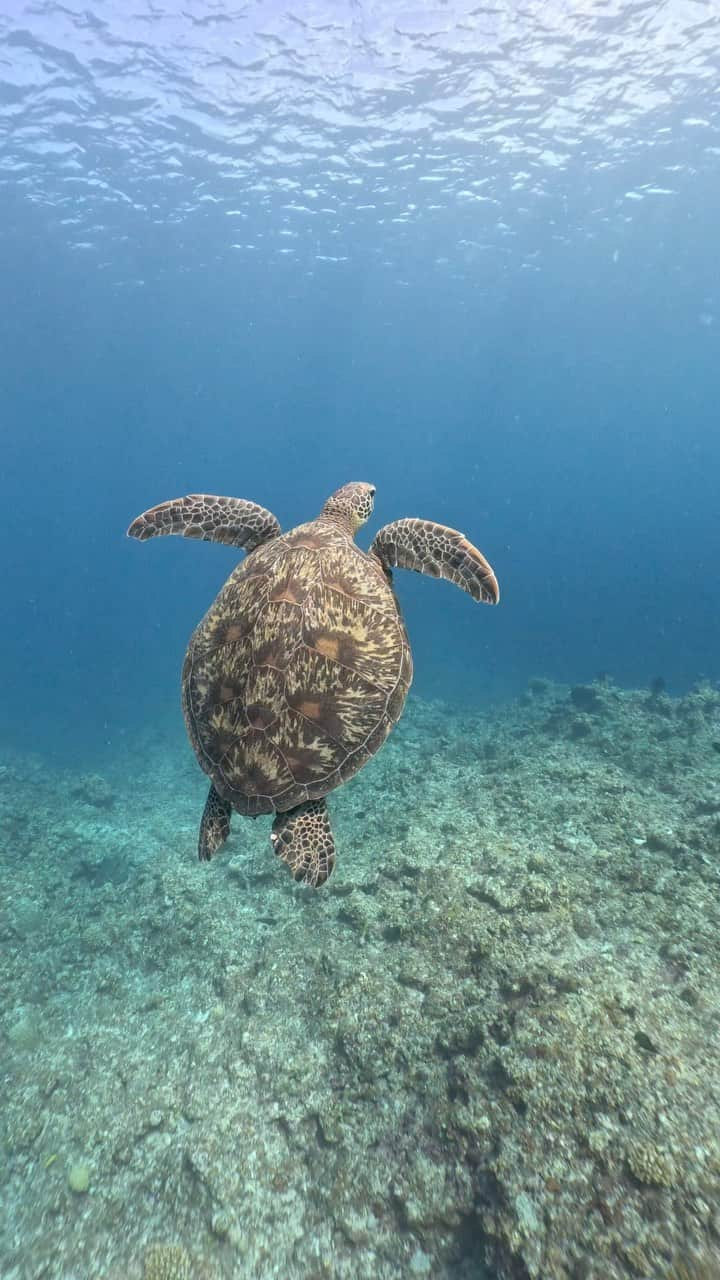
(276, 638)
(348, 633)
(347, 713)
(264, 696)
(294, 574)
(315, 535)
(359, 578)
(217, 676)
(311, 755)
(234, 612)
(254, 761)
(297, 673)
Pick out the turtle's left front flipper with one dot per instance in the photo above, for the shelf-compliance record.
(233, 521)
(438, 551)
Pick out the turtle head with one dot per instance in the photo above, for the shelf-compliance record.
(353, 504)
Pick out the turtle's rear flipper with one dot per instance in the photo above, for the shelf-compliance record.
(215, 825)
(434, 549)
(303, 838)
(234, 521)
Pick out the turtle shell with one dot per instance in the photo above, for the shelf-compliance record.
(298, 671)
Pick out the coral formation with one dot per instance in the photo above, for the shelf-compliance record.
(167, 1262)
(489, 1049)
(650, 1166)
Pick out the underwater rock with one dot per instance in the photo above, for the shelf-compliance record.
(25, 1033)
(587, 697)
(651, 1166)
(93, 790)
(580, 727)
(540, 687)
(28, 917)
(221, 1224)
(78, 1178)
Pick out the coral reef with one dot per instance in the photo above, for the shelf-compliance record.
(488, 1048)
(167, 1262)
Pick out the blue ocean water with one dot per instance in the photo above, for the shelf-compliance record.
(466, 253)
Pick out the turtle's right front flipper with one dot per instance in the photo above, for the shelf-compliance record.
(428, 547)
(233, 521)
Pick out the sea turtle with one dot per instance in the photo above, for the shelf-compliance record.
(301, 666)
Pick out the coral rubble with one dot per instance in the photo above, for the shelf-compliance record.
(488, 1048)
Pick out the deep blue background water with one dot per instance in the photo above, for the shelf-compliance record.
(551, 389)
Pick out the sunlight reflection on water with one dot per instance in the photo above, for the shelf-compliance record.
(337, 124)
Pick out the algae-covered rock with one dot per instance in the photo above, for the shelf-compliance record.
(650, 1165)
(25, 1031)
(167, 1262)
(94, 790)
(79, 1178)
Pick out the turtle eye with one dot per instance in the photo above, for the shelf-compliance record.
(372, 490)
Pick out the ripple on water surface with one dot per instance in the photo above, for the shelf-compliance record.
(324, 132)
